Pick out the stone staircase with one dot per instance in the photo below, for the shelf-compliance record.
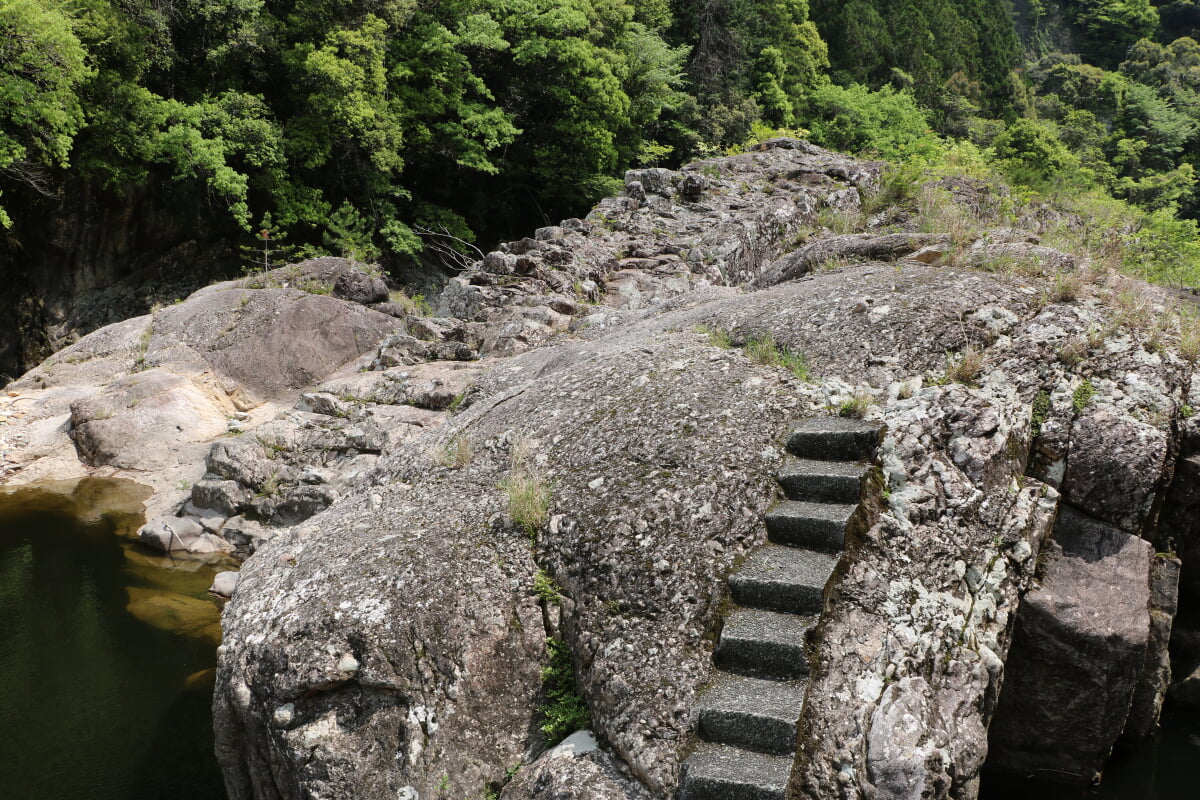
(746, 721)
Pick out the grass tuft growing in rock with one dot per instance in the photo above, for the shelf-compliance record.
(453, 454)
(1082, 396)
(415, 304)
(528, 500)
(964, 367)
(764, 350)
(1073, 351)
(717, 337)
(855, 406)
(1189, 336)
(1068, 286)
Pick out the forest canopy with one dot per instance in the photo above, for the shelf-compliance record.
(357, 126)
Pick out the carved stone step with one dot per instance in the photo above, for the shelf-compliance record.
(750, 713)
(781, 578)
(835, 439)
(764, 644)
(821, 481)
(718, 772)
(818, 526)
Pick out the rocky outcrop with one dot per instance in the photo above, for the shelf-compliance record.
(582, 446)
(146, 397)
(575, 768)
(91, 255)
(1081, 641)
(715, 223)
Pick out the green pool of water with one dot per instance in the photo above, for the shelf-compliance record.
(106, 652)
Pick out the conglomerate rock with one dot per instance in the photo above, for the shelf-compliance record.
(583, 445)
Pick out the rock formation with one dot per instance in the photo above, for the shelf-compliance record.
(583, 444)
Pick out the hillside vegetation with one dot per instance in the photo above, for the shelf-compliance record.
(374, 128)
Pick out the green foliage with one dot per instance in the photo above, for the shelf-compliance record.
(1082, 396)
(1030, 153)
(1040, 412)
(923, 45)
(564, 711)
(886, 123)
(351, 122)
(1111, 26)
(749, 61)
(364, 127)
(1164, 249)
(766, 351)
(42, 65)
(898, 186)
(545, 588)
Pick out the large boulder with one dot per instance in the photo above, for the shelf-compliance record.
(145, 420)
(658, 450)
(1078, 654)
(576, 768)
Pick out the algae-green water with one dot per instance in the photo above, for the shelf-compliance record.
(106, 652)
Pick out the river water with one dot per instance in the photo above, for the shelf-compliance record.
(106, 652)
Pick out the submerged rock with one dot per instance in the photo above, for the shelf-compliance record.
(177, 613)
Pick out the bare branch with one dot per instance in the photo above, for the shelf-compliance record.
(449, 248)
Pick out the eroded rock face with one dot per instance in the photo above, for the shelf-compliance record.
(399, 634)
(1081, 642)
(418, 668)
(911, 657)
(659, 450)
(148, 396)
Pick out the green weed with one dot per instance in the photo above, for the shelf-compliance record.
(1082, 396)
(453, 454)
(766, 351)
(1041, 411)
(855, 406)
(528, 499)
(545, 588)
(717, 337)
(964, 367)
(564, 711)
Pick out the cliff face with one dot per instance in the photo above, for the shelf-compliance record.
(90, 256)
(584, 445)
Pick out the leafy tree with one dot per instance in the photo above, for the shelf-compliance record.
(42, 64)
(1031, 153)
(1111, 26)
(748, 60)
(928, 41)
(856, 119)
